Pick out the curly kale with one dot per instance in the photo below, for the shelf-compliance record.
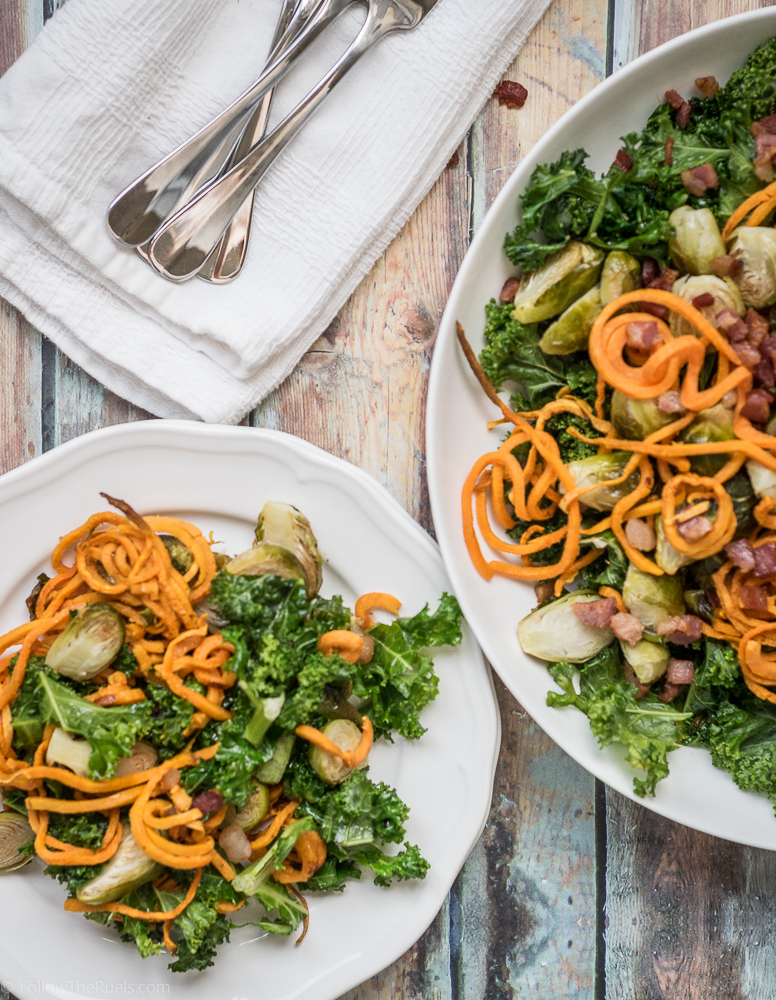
(571, 448)
(399, 681)
(647, 729)
(512, 354)
(610, 568)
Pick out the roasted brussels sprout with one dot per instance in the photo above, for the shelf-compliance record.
(15, 832)
(652, 599)
(89, 643)
(272, 772)
(714, 424)
(697, 240)
(740, 491)
(754, 247)
(180, 557)
(724, 290)
(698, 604)
(571, 331)
(129, 868)
(344, 734)
(567, 274)
(648, 659)
(285, 546)
(554, 632)
(635, 419)
(621, 273)
(666, 556)
(69, 751)
(763, 479)
(255, 808)
(600, 469)
(142, 758)
(334, 705)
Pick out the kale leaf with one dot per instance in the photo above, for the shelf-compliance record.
(112, 732)
(608, 571)
(560, 201)
(647, 729)
(512, 354)
(399, 681)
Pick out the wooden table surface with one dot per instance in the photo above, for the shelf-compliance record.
(572, 891)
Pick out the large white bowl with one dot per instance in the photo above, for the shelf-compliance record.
(695, 793)
(220, 478)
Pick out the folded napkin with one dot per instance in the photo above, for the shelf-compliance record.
(106, 89)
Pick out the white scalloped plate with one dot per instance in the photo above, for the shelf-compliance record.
(219, 478)
(695, 793)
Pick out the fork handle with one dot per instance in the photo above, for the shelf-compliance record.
(183, 244)
(141, 208)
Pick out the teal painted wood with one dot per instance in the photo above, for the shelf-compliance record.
(525, 902)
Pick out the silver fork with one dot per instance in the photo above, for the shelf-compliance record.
(138, 212)
(186, 240)
(226, 261)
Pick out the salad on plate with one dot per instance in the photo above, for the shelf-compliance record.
(633, 479)
(185, 737)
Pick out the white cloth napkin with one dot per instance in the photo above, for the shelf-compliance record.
(109, 87)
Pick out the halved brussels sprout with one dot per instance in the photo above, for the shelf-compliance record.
(740, 491)
(714, 424)
(699, 604)
(142, 758)
(652, 599)
(285, 546)
(621, 273)
(129, 868)
(635, 419)
(69, 751)
(555, 633)
(15, 832)
(344, 734)
(726, 296)
(334, 704)
(600, 469)
(697, 240)
(763, 479)
(649, 660)
(666, 556)
(89, 643)
(255, 808)
(754, 247)
(567, 274)
(571, 331)
(180, 557)
(272, 772)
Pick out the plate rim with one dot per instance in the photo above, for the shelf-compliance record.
(446, 337)
(39, 471)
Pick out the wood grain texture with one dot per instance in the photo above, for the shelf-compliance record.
(20, 345)
(640, 25)
(524, 905)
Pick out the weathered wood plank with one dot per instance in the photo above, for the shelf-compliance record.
(74, 402)
(640, 26)
(20, 426)
(526, 896)
(688, 915)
